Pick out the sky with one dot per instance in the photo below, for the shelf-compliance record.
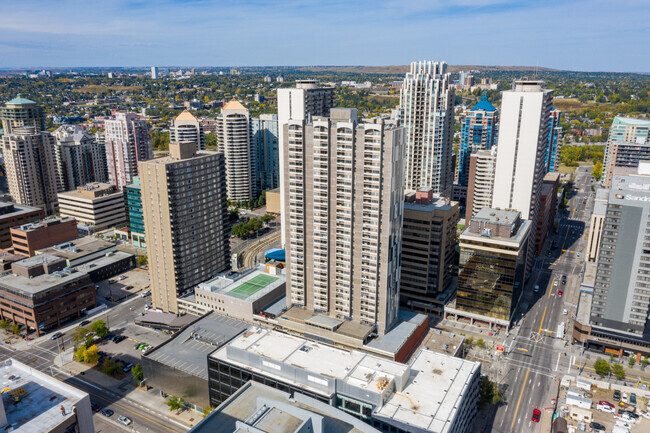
(581, 35)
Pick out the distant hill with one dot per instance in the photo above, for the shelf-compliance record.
(402, 69)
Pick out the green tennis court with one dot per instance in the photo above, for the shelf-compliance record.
(252, 286)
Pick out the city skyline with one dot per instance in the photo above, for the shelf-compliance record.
(549, 34)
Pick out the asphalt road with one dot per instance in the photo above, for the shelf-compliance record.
(535, 358)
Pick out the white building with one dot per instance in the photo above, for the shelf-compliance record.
(127, 142)
(307, 99)
(522, 145)
(35, 402)
(30, 164)
(427, 103)
(344, 202)
(186, 127)
(236, 142)
(481, 181)
(80, 158)
(154, 72)
(95, 205)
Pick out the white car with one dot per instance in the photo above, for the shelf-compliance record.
(556, 283)
(124, 420)
(625, 398)
(605, 408)
(146, 293)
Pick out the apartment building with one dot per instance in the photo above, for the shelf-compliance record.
(186, 127)
(267, 152)
(80, 158)
(20, 112)
(344, 203)
(627, 144)
(127, 142)
(554, 140)
(480, 189)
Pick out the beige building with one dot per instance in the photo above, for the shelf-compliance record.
(236, 142)
(80, 158)
(96, 206)
(428, 251)
(596, 224)
(30, 164)
(186, 221)
(482, 165)
(343, 205)
(21, 112)
(186, 127)
(273, 201)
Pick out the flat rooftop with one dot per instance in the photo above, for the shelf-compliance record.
(274, 411)
(31, 286)
(77, 248)
(108, 259)
(321, 321)
(47, 222)
(393, 340)
(164, 160)
(41, 398)
(188, 350)
(438, 203)
(92, 191)
(10, 210)
(250, 285)
(519, 236)
(583, 313)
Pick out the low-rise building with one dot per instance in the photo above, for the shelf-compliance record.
(111, 264)
(28, 238)
(79, 251)
(35, 402)
(42, 293)
(434, 393)
(12, 215)
(547, 209)
(261, 408)
(95, 206)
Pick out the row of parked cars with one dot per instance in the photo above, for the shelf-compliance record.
(624, 417)
(109, 413)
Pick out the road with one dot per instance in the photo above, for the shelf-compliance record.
(534, 358)
(40, 354)
(250, 254)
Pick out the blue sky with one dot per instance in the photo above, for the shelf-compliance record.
(588, 35)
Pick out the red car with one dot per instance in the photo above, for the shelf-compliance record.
(559, 292)
(605, 403)
(536, 415)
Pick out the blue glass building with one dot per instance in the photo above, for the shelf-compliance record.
(554, 137)
(134, 207)
(267, 153)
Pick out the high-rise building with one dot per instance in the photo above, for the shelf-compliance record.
(267, 153)
(186, 127)
(186, 221)
(80, 158)
(21, 112)
(427, 101)
(482, 165)
(492, 266)
(127, 143)
(344, 204)
(428, 252)
(235, 141)
(307, 99)
(30, 164)
(96, 206)
(547, 208)
(554, 138)
(627, 144)
(596, 224)
(479, 132)
(134, 212)
(154, 72)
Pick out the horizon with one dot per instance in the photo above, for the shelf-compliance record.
(577, 35)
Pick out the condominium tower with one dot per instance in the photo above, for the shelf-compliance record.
(127, 143)
(186, 221)
(30, 164)
(427, 103)
(627, 144)
(234, 135)
(21, 112)
(554, 138)
(80, 158)
(344, 205)
(482, 165)
(307, 99)
(267, 153)
(186, 127)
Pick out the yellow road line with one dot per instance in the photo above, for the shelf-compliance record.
(130, 411)
(552, 288)
(542, 322)
(519, 401)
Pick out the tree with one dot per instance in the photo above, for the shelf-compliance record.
(618, 371)
(644, 361)
(91, 356)
(142, 261)
(255, 224)
(234, 214)
(80, 336)
(481, 343)
(631, 361)
(138, 375)
(174, 403)
(267, 218)
(602, 367)
(211, 142)
(207, 410)
(108, 367)
(99, 328)
(15, 328)
(598, 170)
(488, 392)
(80, 354)
(4, 324)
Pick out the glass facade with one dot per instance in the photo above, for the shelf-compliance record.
(134, 206)
(489, 282)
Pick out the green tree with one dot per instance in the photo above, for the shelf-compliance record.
(645, 361)
(602, 367)
(234, 214)
(481, 343)
(91, 356)
(207, 410)
(631, 361)
(14, 328)
(80, 353)
(99, 328)
(138, 375)
(80, 336)
(108, 367)
(267, 218)
(174, 403)
(255, 224)
(211, 142)
(4, 324)
(618, 371)
(159, 139)
(142, 261)
(598, 170)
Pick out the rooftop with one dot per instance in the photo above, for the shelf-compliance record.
(250, 285)
(19, 100)
(188, 350)
(77, 248)
(50, 221)
(233, 104)
(105, 260)
(41, 398)
(185, 116)
(10, 210)
(164, 160)
(618, 120)
(497, 216)
(92, 190)
(272, 411)
(484, 104)
(37, 284)
(394, 340)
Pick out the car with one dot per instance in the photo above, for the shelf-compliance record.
(633, 399)
(537, 414)
(645, 414)
(584, 202)
(606, 403)
(624, 398)
(127, 367)
(119, 338)
(560, 292)
(107, 412)
(124, 420)
(147, 307)
(84, 323)
(536, 289)
(605, 407)
(617, 395)
(628, 413)
(146, 293)
(128, 287)
(56, 335)
(95, 407)
(596, 426)
(122, 277)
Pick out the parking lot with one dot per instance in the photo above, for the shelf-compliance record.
(123, 286)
